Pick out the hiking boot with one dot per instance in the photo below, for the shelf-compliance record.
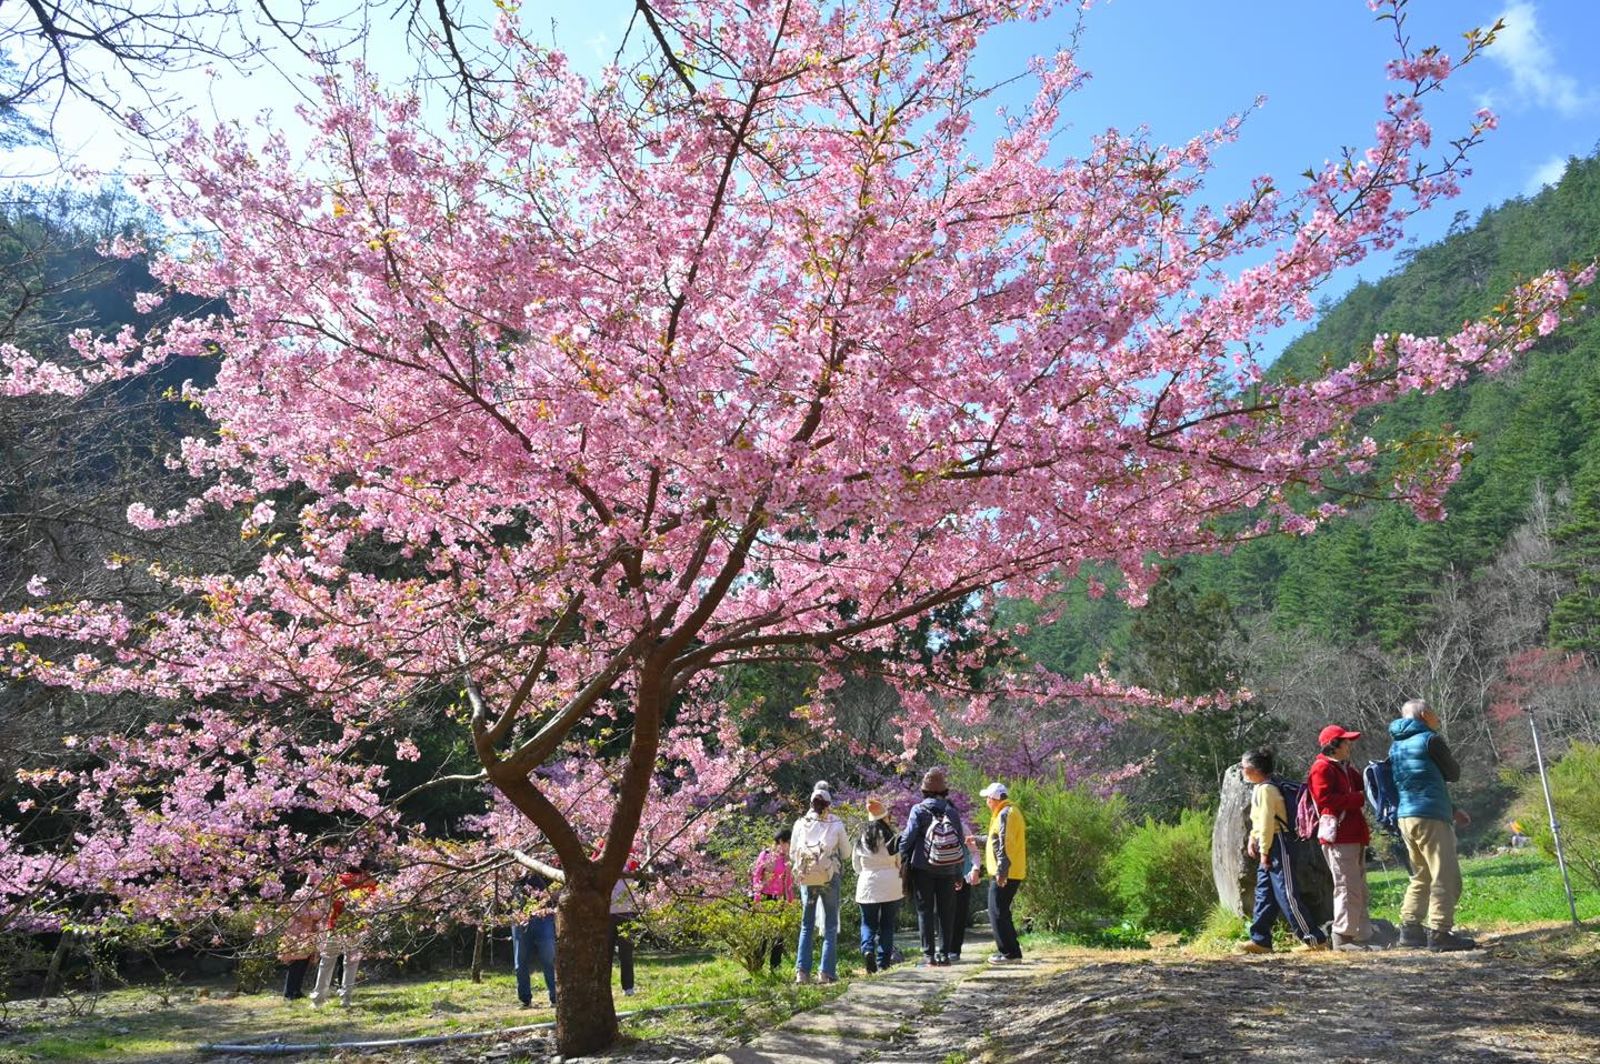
(1252, 946)
(826, 979)
(1412, 936)
(1449, 942)
(1312, 945)
(1345, 943)
(801, 978)
(871, 961)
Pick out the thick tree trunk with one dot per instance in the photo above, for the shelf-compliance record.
(586, 1017)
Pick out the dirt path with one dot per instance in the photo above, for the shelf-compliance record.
(1505, 1003)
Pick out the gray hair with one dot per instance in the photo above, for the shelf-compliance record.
(1414, 709)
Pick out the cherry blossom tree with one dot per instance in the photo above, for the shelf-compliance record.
(753, 352)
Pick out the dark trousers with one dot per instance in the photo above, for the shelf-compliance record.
(961, 916)
(877, 930)
(294, 978)
(775, 950)
(1005, 931)
(622, 947)
(1276, 896)
(936, 910)
(530, 941)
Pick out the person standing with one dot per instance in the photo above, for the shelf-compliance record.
(1423, 766)
(624, 911)
(820, 853)
(345, 928)
(933, 844)
(1005, 861)
(1275, 887)
(771, 879)
(534, 938)
(878, 890)
(1341, 802)
(299, 946)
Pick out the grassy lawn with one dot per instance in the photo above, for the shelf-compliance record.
(1514, 888)
(135, 1025)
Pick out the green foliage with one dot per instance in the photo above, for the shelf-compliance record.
(1575, 790)
(1071, 836)
(1163, 874)
(735, 927)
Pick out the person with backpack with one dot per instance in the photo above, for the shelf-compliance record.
(1270, 834)
(933, 845)
(772, 880)
(1335, 788)
(819, 852)
(878, 890)
(1423, 765)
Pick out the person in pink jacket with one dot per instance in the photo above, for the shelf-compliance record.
(1341, 805)
(772, 880)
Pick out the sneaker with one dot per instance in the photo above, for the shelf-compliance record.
(927, 961)
(1346, 944)
(1001, 958)
(871, 961)
(629, 992)
(825, 979)
(1412, 936)
(1449, 942)
(953, 958)
(941, 960)
(525, 1005)
(1312, 945)
(802, 978)
(1252, 946)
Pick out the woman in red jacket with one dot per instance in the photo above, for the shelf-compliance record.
(1342, 830)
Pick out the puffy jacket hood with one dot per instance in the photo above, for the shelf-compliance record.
(1405, 728)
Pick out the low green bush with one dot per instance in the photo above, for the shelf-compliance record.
(1575, 790)
(1162, 874)
(1071, 836)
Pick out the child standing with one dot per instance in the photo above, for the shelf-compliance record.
(1275, 890)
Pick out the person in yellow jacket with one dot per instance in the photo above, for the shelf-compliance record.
(1005, 860)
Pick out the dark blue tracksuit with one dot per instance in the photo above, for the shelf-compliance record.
(1276, 895)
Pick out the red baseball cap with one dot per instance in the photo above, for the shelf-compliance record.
(1333, 733)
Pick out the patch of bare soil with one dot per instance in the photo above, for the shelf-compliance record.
(1511, 1001)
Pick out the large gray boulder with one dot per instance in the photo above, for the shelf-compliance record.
(1235, 874)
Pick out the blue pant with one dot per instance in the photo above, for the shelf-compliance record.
(1276, 896)
(877, 929)
(828, 895)
(536, 938)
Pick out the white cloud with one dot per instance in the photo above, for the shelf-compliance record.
(1522, 50)
(1546, 173)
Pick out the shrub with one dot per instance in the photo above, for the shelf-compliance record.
(1575, 789)
(733, 926)
(1162, 874)
(1071, 834)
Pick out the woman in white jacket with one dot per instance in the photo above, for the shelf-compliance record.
(878, 886)
(818, 852)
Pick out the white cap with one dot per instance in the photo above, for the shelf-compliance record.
(994, 790)
(823, 790)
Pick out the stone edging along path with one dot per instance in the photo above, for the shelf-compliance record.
(1496, 1004)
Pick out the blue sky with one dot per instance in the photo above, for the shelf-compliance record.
(1178, 67)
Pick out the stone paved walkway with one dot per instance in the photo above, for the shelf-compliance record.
(864, 1023)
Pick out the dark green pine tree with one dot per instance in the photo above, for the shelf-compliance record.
(1575, 620)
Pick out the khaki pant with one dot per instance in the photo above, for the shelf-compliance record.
(1348, 863)
(333, 944)
(1435, 873)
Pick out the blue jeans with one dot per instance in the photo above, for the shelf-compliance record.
(536, 938)
(828, 895)
(877, 929)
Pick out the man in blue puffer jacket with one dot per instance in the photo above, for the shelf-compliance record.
(1423, 766)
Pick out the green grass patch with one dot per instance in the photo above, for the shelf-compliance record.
(1514, 888)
